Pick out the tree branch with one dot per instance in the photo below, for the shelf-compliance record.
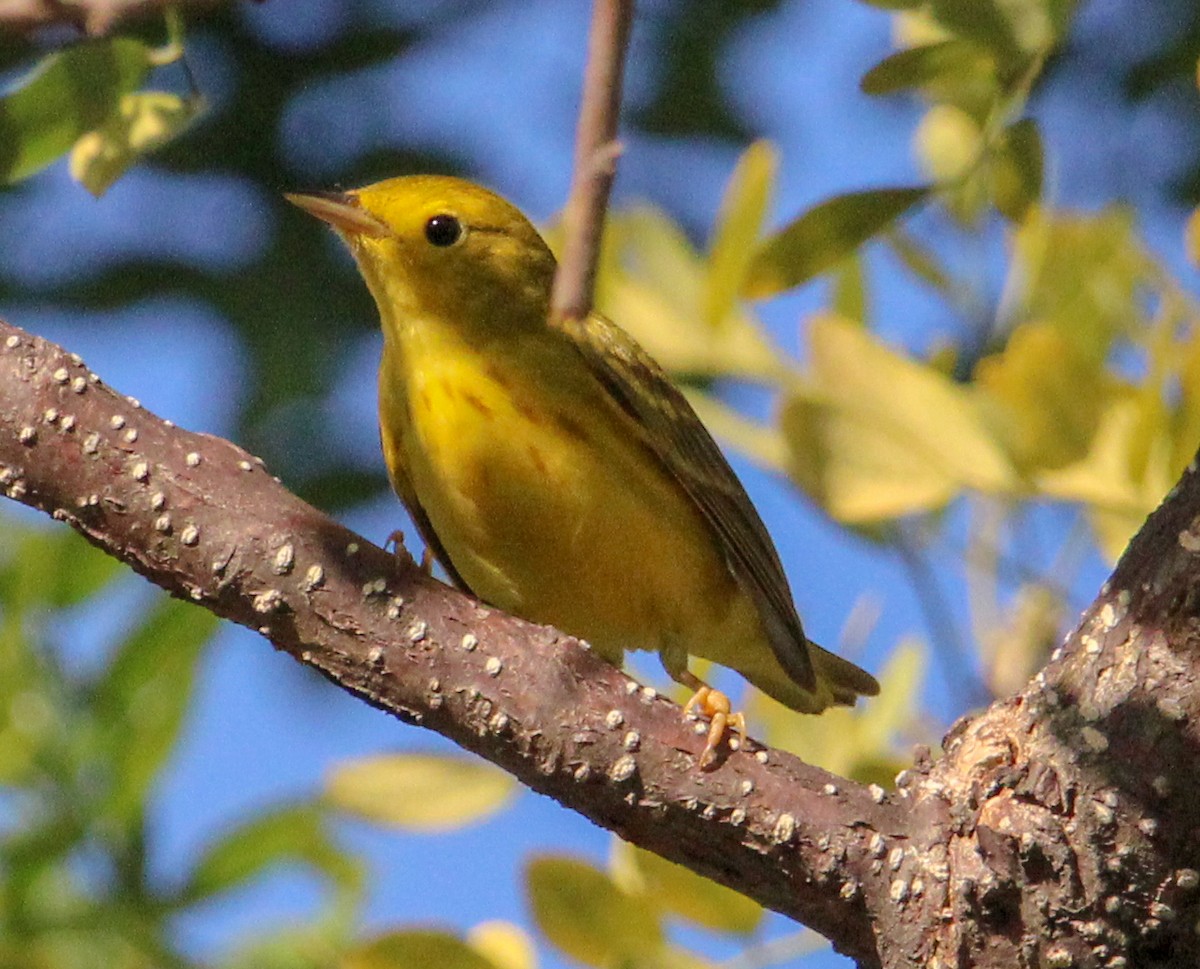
(1061, 827)
(596, 151)
(203, 519)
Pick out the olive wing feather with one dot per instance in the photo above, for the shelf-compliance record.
(673, 432)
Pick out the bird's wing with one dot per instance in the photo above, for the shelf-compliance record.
(672, 431)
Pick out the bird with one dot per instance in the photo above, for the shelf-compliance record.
(551, 466)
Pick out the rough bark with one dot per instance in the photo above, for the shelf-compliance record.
(1059, 828)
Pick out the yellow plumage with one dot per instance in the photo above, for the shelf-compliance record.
(553, 469)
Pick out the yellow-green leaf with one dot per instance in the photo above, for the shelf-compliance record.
(1083, 273)
(854, 468)
(919, 261)
(925, 64)
(878, 434)
(285, 835)
(1050, 395)
(948, 142)
(653, 284)
(738, 227)
(823, 236)
(681, 892)
(505, 945)
(422, 792)
(1122, 478)
(1017, 170)
(143, 121)
(582, 912)
(849, 298)
(69, 92)
(143, 696)
(415, 949)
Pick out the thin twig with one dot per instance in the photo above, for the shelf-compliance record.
(596, 151)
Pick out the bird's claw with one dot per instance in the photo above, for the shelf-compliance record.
(715, 706)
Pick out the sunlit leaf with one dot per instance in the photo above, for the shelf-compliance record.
(1081, 273)
(143, 695)
(652, 283)
(738, 227)
(681, 892)
(287, 835)
(142, 122)
(925, 64)
(1117, 499)
(1050, 395)
(948, 142)
(760, 442)
(505, 945)
(423, 792)
(584, 914)
(1017, 170)
(415, 949)
(857, 471)
(823, 236)
(878, 435)
(70, 92)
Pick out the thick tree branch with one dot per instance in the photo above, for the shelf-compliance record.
(1061, 828)
(596, 152)
(204, 520)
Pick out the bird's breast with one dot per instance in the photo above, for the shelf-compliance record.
(548, 503)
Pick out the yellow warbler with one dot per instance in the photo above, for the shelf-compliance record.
(551, 467)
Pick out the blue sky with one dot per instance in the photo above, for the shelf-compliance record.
(499, 95)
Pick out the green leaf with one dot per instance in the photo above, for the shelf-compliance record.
(857, 471)
(285, 835)
(1017, 170)
(421, 792)
(919, 261)
(681, 892)
(505, 945)
(849, 297)
(823, 236)
(878, 435)
(143, 122)
(652, 282)
(415, 949)
(1048, 393)
(918, 66)
(582, 912)
(1083, 273)
(53, 569)
(738, 227)
(69, 93)
(981, 21)
(143, 696)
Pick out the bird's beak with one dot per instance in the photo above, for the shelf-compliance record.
(342, 210)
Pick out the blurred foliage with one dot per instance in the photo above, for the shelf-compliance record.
(1075, 390)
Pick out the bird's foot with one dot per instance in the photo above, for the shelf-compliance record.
(716, 708)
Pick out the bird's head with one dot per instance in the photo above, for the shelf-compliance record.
(431, 245)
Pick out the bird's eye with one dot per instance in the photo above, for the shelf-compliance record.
(443, 230)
